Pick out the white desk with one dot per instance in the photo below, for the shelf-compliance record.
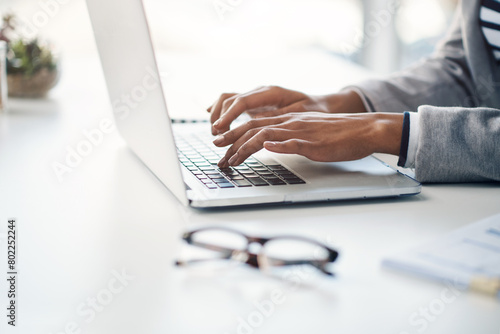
(110, 214)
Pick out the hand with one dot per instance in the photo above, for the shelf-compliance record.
(274, 101)
(315, 135)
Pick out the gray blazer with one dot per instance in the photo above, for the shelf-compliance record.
(456, 92)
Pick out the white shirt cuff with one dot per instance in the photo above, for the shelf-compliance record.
(413, 140)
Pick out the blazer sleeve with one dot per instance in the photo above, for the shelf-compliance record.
(443, 79)
(458, 144)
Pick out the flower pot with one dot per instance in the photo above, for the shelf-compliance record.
(33, 86)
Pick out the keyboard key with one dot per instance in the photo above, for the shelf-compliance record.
(289, 176)
(203, 164)
(257, 181)
(247, 172)
(216, 176)
(253, 175)
(254, 165)
(275, 181)
(225, 185)
(229, 171)
(204, 151)
(284, 172)
(220, 180)
(295, 181)
(211, 186)
(276, 167)
(242, 183)
(260, 169)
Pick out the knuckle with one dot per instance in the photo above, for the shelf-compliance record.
(295, 124)
(252, 123)
(227, 102)
(249, 148)
(266, 133)
(241, 101)
(229, 136)
(252, 132)
(283, 119)
(298, 144)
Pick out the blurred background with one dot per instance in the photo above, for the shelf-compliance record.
(206, 47)
(382, 35)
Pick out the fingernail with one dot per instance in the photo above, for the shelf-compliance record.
(218, 140)
(270, 143)
(233, 159)
(223, 163)
(217, 123)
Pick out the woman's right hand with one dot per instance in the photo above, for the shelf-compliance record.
(272, 101)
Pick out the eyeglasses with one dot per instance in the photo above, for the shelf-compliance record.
(262, 253)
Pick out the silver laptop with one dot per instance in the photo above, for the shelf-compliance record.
(182, 156)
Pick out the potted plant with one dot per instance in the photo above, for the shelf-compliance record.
(32, 68)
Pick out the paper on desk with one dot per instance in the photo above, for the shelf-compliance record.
(469, 252)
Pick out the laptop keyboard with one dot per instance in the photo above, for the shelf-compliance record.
(201, 160)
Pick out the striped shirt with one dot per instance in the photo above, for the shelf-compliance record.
(489, 18)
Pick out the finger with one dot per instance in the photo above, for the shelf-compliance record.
(224, 105)
(258, 99)
(296, 107)
(291, 146)
(228, 101)
(216, 108)
(233, 135)
(256, 143)
(257, 111)
(223, 163)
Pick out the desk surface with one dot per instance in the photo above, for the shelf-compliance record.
(96, 250)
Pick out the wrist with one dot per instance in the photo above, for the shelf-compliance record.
(388, 128)
(345, 102)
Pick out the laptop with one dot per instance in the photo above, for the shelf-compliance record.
(181, 154)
